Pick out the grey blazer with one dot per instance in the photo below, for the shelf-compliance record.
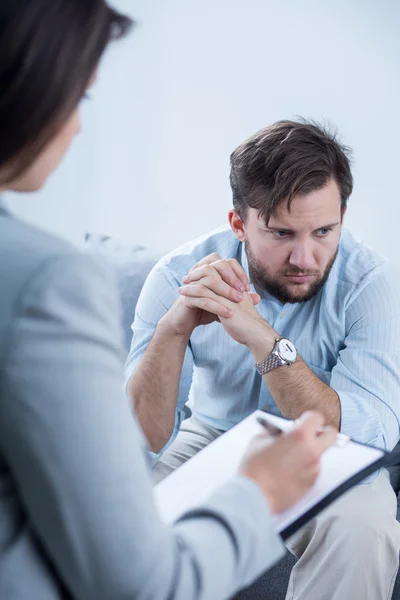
(77, 518)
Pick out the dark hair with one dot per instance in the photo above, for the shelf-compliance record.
(286, 159)
(49, 50)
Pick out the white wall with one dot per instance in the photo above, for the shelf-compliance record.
(194, 80)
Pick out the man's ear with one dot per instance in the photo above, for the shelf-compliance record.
(237, 225)
(344, 211)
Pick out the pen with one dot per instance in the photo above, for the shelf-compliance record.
(270, 427)
(275, 430)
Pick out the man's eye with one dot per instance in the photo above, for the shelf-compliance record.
(323, 231)
(280, 234)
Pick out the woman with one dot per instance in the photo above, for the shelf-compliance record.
(77, 519)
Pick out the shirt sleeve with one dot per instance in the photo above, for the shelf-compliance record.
(75, 452)
(158, 294)
(367, 374)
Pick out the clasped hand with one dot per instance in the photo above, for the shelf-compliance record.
(220, 289)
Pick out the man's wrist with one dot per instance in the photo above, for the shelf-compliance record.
(262, 342)
(168, 328)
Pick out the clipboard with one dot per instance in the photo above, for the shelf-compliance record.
(342, 467)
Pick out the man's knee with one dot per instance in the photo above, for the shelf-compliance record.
(365, 517)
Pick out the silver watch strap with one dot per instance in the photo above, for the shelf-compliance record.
(269, 363)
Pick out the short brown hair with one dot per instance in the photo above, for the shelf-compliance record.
(49, 51)
(287, 159)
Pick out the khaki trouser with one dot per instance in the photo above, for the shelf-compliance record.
(349, 552)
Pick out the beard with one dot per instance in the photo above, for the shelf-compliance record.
(263, 280)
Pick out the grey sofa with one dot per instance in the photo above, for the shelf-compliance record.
(132, 265)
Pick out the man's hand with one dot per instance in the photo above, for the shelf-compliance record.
(247, 327)
(202, 302)
(213, 285)
(286, 467)
(229, 272)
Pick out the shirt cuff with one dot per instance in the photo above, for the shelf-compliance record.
(155, 456)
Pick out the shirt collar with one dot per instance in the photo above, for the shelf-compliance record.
(243, 259)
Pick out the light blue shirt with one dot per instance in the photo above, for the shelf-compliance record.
(348, 334)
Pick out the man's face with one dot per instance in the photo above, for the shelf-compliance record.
(292, 256)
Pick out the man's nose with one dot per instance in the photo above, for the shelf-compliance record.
(302, 257)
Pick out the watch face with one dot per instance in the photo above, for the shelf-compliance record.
(287, 350)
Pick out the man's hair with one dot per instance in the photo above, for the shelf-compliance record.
(287, 159)
(49, 51)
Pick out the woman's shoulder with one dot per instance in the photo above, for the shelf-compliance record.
(26, 253)
(47, 274)
(24, 247)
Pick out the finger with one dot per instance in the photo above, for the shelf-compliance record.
(198, 290)
(199, 272)
(219, 269)
(239, 272)
(309, 422)
(255, 297)
(210, 278)
(230, 274)
(207, 304)
(219, 287)
(307, 426)
(207, 260)
(325, 438)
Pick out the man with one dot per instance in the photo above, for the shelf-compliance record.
(283, 309)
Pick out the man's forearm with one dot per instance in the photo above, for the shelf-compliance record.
(295, 388)
(155, 383)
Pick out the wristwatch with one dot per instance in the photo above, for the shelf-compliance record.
(284, 353)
